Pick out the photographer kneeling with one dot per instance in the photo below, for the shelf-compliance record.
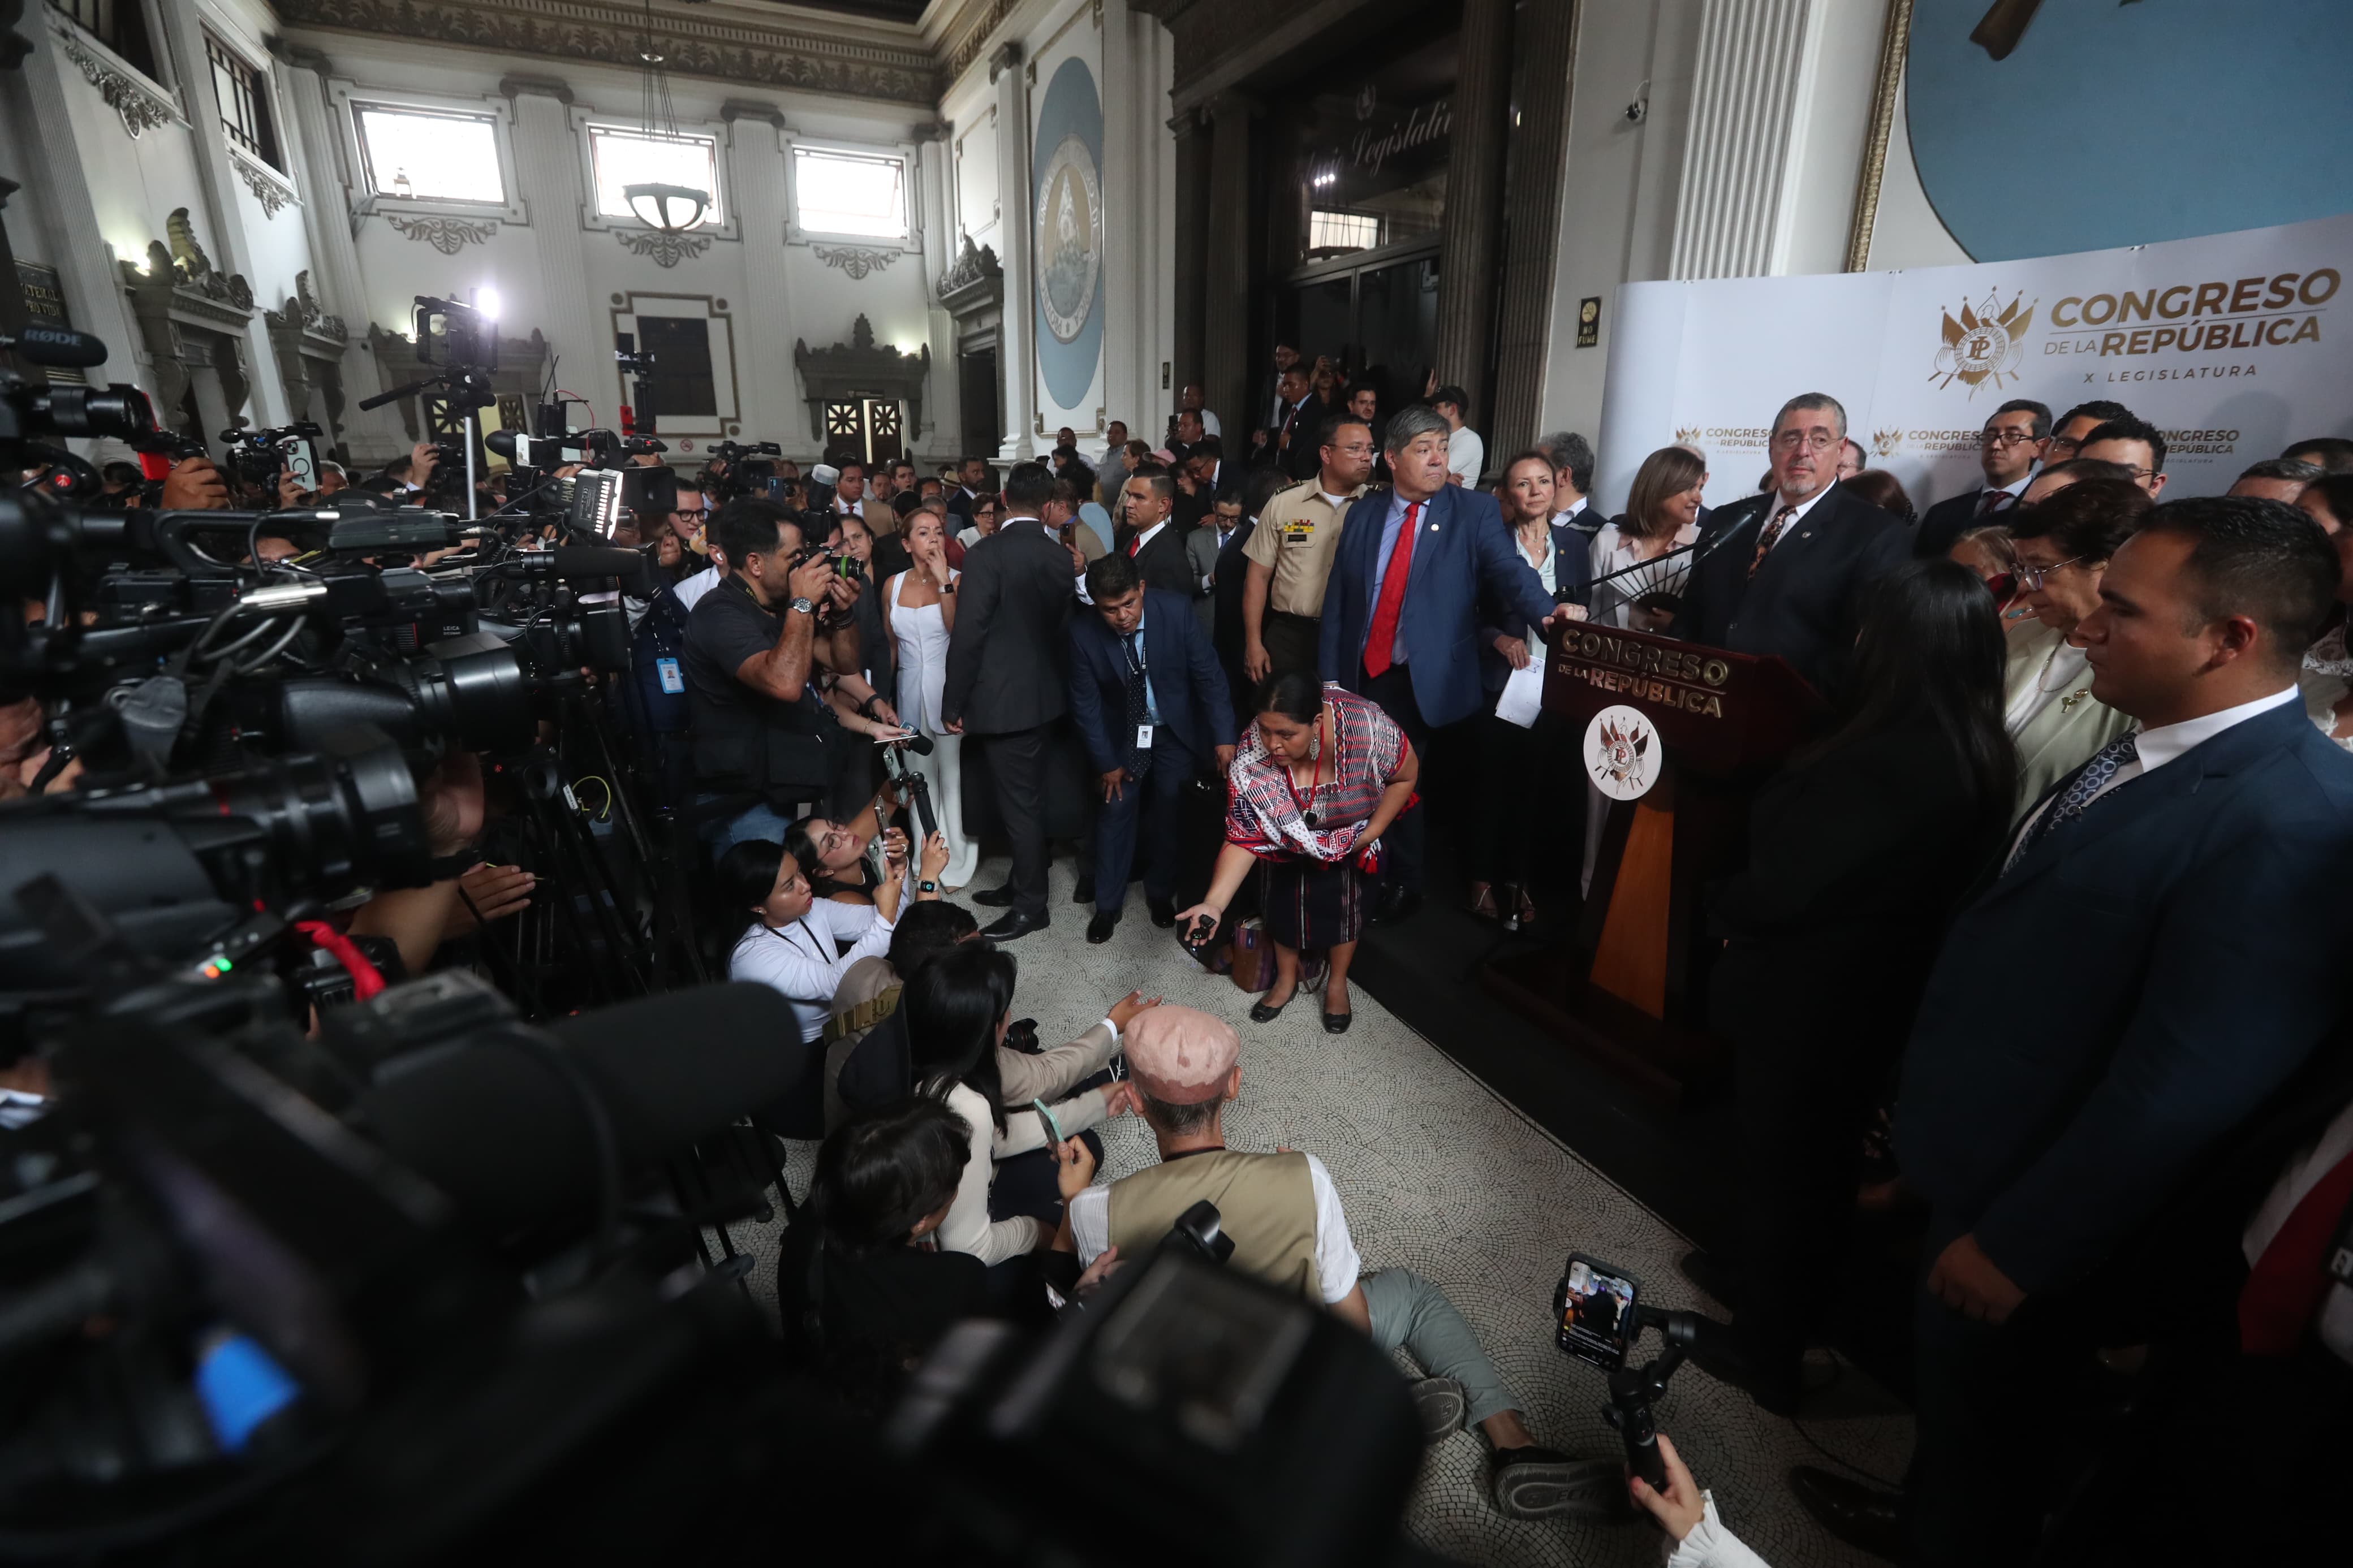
(1284, 1218)
(766, 740)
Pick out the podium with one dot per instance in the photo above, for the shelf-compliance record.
(1629, 986)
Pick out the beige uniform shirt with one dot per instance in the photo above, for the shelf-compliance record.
(1296, 538)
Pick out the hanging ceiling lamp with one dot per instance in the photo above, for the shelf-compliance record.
(672, 209)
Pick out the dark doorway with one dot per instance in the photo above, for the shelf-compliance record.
(977, 387)
(1376, 317)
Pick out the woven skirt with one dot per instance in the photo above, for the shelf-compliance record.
(1314, 904)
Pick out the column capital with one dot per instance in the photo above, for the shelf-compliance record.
(514, 87)
(1003, 58)
(736, 109)
(296, 56)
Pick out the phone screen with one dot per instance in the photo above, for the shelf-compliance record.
(1597, 1312)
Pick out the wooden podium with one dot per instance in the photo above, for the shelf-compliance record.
(1629, 986)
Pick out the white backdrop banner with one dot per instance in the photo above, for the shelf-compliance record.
(2220, 343)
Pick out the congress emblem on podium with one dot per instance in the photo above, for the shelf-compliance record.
(1622, 752)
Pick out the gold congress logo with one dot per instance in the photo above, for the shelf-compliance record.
(1887, 443)
(1687, 435)
(1983, 343)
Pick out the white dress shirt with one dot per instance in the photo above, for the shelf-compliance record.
(804, 962)
(1570, 513)
(1789, 527)
(2152, 749)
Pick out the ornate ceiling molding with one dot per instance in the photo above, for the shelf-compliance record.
(605, 32)
(137, 101)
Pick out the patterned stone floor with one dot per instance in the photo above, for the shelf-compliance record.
(1440, 1174)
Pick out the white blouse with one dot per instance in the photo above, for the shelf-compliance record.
(804, 961)
(1613, 601)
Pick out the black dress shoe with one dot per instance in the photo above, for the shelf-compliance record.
(1862, 1516)
(1713, 1273)
(1099, 929)
(1013, 923)
(995, 898)
(1084, 893)
(1396, 903)
(1164, 912)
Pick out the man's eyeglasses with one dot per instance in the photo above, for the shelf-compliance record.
(2004, 438)
(2064, 446)
(1790, 440)
(2031, 577)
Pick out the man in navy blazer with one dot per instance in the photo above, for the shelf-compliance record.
(2160, 953)
(1142, 761)
(1783, 572)
(1423, 666)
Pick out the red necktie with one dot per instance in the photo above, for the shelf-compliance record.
(1383, 635)
(1996, 500)
(1133, 545)
(2285, 1288)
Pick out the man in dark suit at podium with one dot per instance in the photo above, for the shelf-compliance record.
(1401, 609)
(1783, 570)
(2167, 927)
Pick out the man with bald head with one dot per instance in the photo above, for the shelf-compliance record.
(1784, 570)
(1283, 1215)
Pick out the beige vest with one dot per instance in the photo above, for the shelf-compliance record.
(1265, 1202)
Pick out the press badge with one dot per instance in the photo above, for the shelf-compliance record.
(671, 680)
(1144, 737)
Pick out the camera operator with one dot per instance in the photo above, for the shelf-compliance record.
(766, 738)
(194, 485)
(1284, 1217)
(418, 919)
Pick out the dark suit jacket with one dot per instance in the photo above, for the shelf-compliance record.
(1162, 564)
(1460, 550)
(1304, 457)
(2103, 1018)
(1573, 548)
(1232, 571)
(1178, 661)
(1947, 520)
(1804, 604)
(1005, 656)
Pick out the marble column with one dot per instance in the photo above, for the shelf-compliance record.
(756, 181)
(1546, 51)
(942, 431)
(1474, 205)
(547, 171)
(336, 275)
(1747, 95)
(1192, 266)
(85, 262)
(221, 219)
(1128, 192)
(1016, 343)
(1226, 295)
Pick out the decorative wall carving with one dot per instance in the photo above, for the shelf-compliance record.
(666, 249)
(304, 313)
(968, 48)
(972, 282)
(764, 55)
(266, 187)
(140, 107)
(861, 369)
(446, 235)
(190, 317)
(856, 260)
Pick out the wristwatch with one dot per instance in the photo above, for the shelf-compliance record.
(927, 886)
(946, 588)
(803, 606)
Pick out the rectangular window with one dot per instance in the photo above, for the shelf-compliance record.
(1329, 232)
(417, 154)
(620, 158)
(244, 102)
(850, 194)
(682, 384)
(119, 24)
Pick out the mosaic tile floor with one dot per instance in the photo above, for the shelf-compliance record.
(1438, 1174)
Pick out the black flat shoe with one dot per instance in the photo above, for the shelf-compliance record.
(995, 898)
(1863, 1516)
(1263, 1013)
(1337, 1023)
